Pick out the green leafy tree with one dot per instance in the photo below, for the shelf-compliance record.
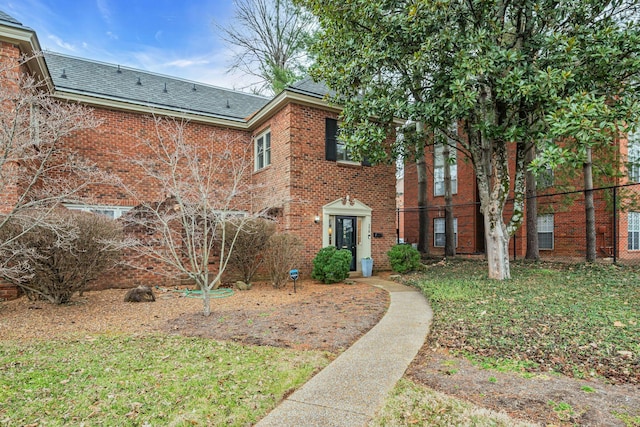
(500, 68)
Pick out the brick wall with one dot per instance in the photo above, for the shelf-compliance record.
(297, 183)
(569, 217)
(316, 182)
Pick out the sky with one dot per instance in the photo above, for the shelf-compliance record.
(173, 37)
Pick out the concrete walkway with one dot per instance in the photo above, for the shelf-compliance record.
(350, 390)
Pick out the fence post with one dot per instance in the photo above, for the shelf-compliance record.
(398, 226)
(615, 224)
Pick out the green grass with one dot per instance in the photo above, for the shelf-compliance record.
(579, 320)
(410, 404)
(157, 380)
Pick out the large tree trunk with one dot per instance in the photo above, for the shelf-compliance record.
(533, 252)
(449, 230)
(589, 209)
(497, 244)
(423, 214)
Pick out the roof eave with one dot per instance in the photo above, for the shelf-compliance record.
(285, 97)
(27, 41)
(148, 108)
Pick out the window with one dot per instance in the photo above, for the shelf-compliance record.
(545, 231)
(633, 233)
(342, 152)
(633, 156)
(439, 232)
(263, 150)
(438, 169)
(544, 178)
(112, 212)
(336, 150)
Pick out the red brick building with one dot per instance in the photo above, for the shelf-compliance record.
(329, 198)
(561, 217)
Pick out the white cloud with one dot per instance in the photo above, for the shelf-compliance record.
(184, 63)
(61, 43)
(105, 11)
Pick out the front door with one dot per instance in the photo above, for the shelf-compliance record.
(346, 236)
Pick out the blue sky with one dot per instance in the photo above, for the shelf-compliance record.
(172, 37)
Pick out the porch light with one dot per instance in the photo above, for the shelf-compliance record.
(316, 219)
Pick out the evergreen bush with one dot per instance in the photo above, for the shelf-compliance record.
(331, 265)
(404, 258)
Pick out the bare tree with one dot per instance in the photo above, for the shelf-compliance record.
(270, 39)
(207, 187)
(37, 170)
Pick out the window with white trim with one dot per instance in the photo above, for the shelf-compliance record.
(545, 232)
(439, 235)
(263, 150)
(633, 156)
(343, 154)
(112, 212)
(438, 168)
(633, 231)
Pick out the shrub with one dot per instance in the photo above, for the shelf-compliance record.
(331, 265)
(282, 255)
(404, 258)
(250, 246)
(62, 254)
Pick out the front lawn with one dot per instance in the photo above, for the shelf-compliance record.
(578, 320)
(145, 381)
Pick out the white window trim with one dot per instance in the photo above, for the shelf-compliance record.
(440, 229)
(633, 226)
(633, 156)
(266, 152)
(438, 169)
(546, 224)
(348, 159)
(118, 211)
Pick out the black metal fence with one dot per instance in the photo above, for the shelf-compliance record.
(560, 222)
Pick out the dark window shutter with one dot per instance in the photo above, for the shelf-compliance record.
(365, 161)
(331, 134)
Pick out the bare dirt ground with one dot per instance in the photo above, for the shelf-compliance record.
(549, 399)
(323, 317)
(317, 316)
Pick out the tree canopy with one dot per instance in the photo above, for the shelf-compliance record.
(505, 70)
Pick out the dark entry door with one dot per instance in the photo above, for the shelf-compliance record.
(346, 236)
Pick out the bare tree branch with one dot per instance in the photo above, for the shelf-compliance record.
(37, 170)
(270, 39)
(207, 186)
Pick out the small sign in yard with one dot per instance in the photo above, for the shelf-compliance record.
(294, 276)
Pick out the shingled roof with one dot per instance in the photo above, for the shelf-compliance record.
(114, 82)
(309, 87)
(8, 18)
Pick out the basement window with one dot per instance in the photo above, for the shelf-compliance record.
(113, 212)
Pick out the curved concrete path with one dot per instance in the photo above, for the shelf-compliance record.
(350, 390)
